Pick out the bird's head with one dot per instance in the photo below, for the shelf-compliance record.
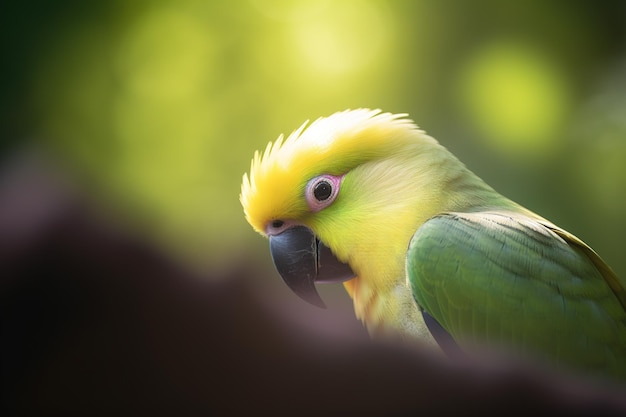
(340, 196)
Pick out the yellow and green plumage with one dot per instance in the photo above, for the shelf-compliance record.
(421, 233)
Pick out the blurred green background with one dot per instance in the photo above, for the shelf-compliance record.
(158, 106)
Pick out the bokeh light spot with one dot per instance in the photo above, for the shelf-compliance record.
(516, 98)
(347, 36)
(290, 9)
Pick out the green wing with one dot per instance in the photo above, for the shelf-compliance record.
(507, 279)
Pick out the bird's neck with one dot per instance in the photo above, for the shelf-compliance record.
(434, 182)
(388, 313)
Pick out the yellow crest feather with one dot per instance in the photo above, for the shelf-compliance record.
(332, 145)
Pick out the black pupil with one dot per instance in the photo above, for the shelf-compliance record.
(322, 190)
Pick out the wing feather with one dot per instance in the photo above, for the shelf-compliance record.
(508, 279)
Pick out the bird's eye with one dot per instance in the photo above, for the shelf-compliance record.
(321, 191)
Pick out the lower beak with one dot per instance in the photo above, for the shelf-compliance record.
(302, 260)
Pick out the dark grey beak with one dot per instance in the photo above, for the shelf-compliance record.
(302, 260)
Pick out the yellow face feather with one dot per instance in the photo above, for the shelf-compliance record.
(333, 145)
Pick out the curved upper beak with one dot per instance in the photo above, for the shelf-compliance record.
(302, 260)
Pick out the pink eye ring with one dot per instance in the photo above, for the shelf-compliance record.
(322, 191)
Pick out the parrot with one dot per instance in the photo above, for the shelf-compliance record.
(426, 249)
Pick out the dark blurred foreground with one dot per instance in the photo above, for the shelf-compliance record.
(94, 321)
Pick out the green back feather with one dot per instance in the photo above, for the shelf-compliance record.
(505, 279)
